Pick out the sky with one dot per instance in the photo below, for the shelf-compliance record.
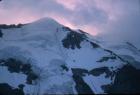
(111, 19)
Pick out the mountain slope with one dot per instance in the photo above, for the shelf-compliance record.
(46, 57)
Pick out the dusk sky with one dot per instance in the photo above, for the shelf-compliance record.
(116, 19)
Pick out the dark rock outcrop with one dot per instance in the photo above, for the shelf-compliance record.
(6, 89)
(1, 34)
(127, 81)
(73, 40)
(81, 86)
(16, 66)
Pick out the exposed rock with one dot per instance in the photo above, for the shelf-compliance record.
(4, 26)
(107, 58)
(73, 40)
(1, 34)
(79, 71)
(94, 45)
(16, 66)
(99, 71)
(81, 85)
(65, 67)
(6, 89)
(127, 81)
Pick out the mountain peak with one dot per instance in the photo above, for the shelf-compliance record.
(46, 21)
(44, 24)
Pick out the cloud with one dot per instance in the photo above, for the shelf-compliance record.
(126, 25)
(112, 19)
(32, 8)
(84, 14)
(73, 13)
(69, 4)
(8, 17)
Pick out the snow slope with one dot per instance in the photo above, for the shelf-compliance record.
(63, 61)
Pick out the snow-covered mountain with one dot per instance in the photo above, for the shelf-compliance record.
(45, 57)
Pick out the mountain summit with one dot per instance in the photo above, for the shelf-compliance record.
(45, 57)
(46, 21)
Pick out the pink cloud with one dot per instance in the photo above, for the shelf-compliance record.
(62, 20)
(70, 4)
(25, 15)
(93, 30)
(15, 16)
